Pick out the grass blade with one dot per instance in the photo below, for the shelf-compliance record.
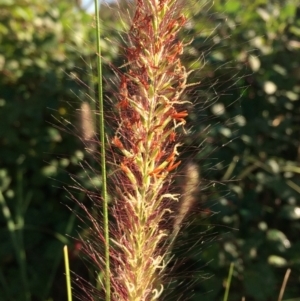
(68, 277)
(228, 282)
(285, 280)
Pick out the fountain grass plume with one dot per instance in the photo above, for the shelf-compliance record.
(150, 110)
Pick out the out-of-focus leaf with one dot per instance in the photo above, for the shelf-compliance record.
(277, 261)
(4, 180)
(7, 2)
(290, 212)
(279, 238)
(232, 6)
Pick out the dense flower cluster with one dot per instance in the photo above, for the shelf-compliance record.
(150, 110)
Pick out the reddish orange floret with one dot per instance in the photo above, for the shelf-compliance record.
(180, 115)
(171, 158)
(172, 137)
(117, 142)
(124, 168)
(123, 104)
(156, 171)
(159, 155)
(173, 166)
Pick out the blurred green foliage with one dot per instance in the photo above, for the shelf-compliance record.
(41, 44)
(246, 55)
(250, 68)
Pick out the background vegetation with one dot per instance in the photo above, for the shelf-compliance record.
(246, 55)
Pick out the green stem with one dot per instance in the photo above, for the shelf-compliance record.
(102, 151)
(68, 277)
(228, 282)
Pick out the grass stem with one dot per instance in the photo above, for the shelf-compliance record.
(285, 280)
(228, 282)
(68, 277)
(102, 151)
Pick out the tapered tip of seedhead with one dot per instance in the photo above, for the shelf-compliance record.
(86, 122)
